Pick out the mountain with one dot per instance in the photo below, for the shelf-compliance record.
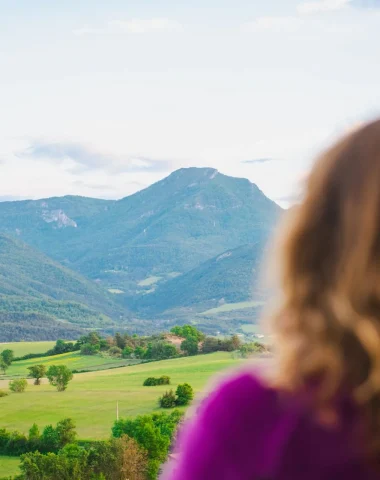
(230, 277)
(145, 252)
(30, 282)
(168, 228)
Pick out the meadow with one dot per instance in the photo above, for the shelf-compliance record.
(23, 348)
(9, 466)
(229, 307)
(72, 360)
(91, 398)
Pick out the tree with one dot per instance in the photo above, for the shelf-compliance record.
(120, 341)
(184, 393)
(190, 346)
(93, 338)
(134, 460)
(127, 352)
(60, 347)
(153, 433)
(3, 365)
(187, 331)
(59, 376)
(34, 437)
(115, 351)
(37, 372)
(18, 385)
(66, 432)
(168, 400)
(8, 356)
(236, 342)
(139, 352)
(89, 349)
(210, 344)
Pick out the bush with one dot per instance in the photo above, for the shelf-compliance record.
(184, 393)
(153, 381)
(150, 382)
(168, 400)
(3, 393)
(115, 351)
(18, 385)
(164, 380)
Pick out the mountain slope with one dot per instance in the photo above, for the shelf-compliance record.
(230, 277)
(48, 223)
(31, 282)
(172, 226)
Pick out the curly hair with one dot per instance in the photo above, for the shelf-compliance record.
(327, 323)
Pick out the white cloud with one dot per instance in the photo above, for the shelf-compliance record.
(309, 8)
(133, 26)
(272, 23)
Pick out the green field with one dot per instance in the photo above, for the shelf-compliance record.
(9, 466)
(91, 397)
(23, 348)
(72, 360)
(228, 307)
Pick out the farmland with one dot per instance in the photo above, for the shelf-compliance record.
(91, 397)
(72, 360)
(23, 348)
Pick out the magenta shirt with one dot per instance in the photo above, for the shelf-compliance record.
(245, 430)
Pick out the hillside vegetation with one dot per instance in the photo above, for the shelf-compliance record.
(36, 292)
(227, 278)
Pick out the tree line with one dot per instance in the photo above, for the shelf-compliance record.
(135, 451)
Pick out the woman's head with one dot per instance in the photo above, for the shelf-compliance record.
(328, 323)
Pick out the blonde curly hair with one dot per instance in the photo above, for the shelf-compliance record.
(327, 324)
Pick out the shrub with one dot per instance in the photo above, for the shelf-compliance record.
(18, 385)
(3, 393)
(150, 382)
(164, 380)
(153, 381)
(184, 393)
(168, 400)
(115, 351)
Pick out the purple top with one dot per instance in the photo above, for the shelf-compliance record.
(246, 431)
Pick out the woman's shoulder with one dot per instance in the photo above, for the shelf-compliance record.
(241, 394)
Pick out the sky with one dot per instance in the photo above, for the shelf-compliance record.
(104, 98)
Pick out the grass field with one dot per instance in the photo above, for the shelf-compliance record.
(72, 360)
(9, 466)
(91, 397)
(23, 348)
(228, 307)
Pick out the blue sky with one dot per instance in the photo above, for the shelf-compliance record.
(103, 98)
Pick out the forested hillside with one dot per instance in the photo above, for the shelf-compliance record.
(231, 277)
(34, 287)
